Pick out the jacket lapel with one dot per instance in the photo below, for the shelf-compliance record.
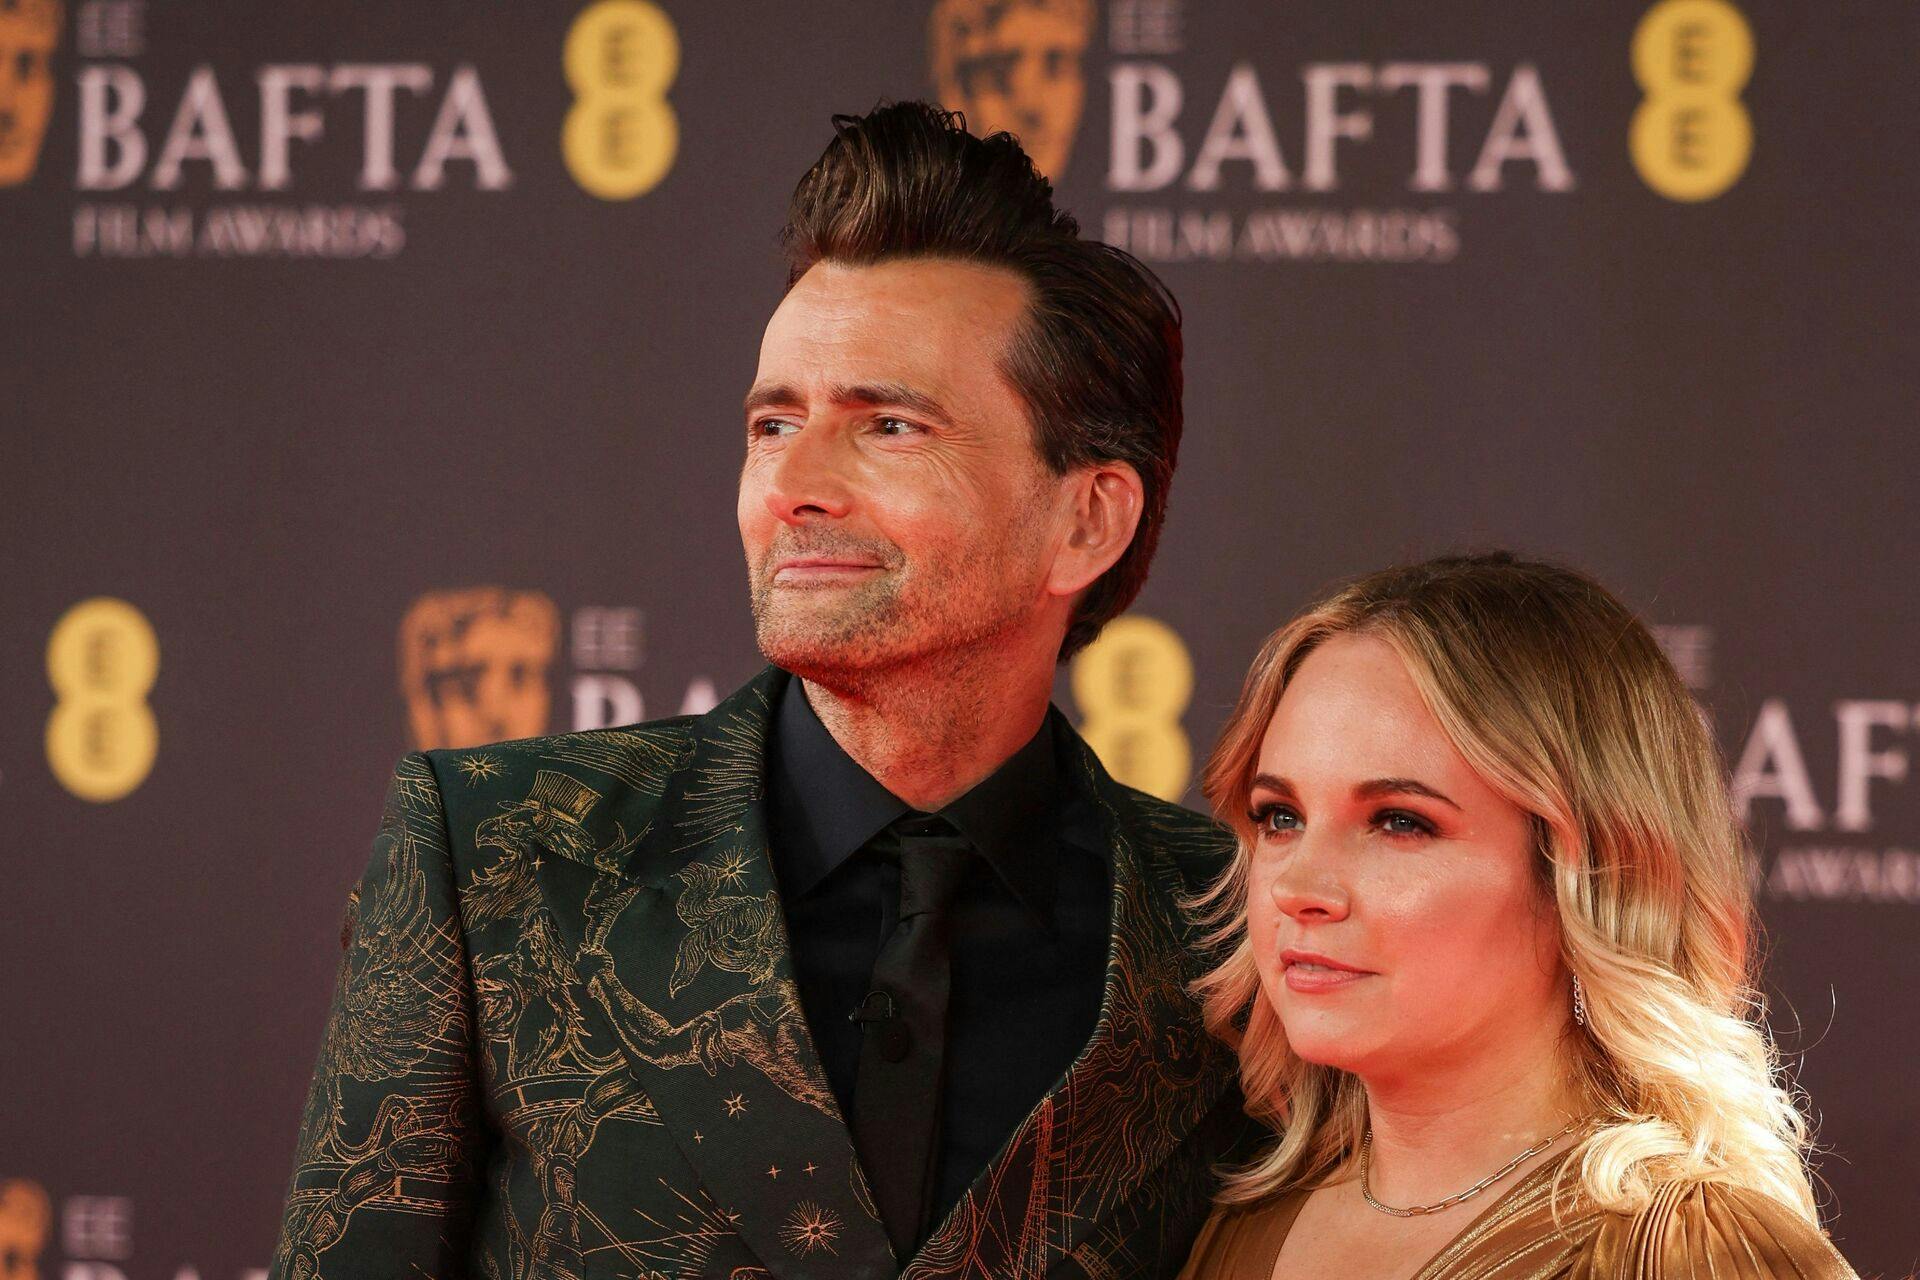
(1147, 1076)
(678, 935)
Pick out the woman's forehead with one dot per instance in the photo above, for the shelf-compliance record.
(1353, 713)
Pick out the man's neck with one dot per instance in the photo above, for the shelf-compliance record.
(930, 734)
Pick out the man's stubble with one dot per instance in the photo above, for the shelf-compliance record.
(944, 612)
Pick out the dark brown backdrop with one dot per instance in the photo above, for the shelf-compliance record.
(294, 385)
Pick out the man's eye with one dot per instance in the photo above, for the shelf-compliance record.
(775, 427)
(895, 426)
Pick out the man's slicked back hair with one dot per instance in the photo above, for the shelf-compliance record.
(1097, 357)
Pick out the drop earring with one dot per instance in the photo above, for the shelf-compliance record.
(1579, 1003)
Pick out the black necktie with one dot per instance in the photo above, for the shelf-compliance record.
(896, 1092)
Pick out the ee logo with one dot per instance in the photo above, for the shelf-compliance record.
(621, 135)
(101, 660)
(1133, 685)
(1691, 136)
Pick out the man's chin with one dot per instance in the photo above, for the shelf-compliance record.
(806, 639)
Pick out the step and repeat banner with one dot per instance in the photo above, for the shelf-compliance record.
(373, 379)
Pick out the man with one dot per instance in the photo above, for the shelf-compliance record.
(872, 969)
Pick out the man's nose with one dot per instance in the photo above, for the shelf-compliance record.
(809, 481)
(1308, 884)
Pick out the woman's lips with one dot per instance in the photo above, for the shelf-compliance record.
(1308, 972)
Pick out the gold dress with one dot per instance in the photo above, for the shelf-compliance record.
(1696, 1232)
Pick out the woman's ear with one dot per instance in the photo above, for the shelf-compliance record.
(1107, 500)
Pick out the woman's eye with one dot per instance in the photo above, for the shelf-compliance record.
(1398, 822)
(1273, 820)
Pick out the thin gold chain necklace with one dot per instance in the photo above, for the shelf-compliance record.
(1366, 1164)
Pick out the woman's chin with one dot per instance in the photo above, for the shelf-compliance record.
(1312, 1039)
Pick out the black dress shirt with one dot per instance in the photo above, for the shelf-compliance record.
(1030, 926)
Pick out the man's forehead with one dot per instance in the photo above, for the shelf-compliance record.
(930, 325)
(943, 292)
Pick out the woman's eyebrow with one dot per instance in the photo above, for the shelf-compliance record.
(1272, 782)
(1377, 787)
(1372, 789)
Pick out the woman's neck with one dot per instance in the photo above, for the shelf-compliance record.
(1436, 1132)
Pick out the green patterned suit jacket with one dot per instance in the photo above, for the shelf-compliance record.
(566, 1042)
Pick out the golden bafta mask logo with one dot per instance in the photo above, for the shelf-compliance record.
(1015, 65)
(26, 1215)
(29, 33)
(473, 665)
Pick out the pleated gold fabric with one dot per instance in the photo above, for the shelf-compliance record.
(1689, 1232)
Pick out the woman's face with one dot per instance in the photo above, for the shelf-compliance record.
(1394, 910)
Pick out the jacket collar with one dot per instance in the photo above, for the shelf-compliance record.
(680, 938)
(823, 807)
(1146, 1078)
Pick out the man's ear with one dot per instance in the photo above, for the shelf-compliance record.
(1107, 500)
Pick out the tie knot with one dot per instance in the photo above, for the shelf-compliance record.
(934, 858)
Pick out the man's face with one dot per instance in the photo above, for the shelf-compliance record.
(893, 506)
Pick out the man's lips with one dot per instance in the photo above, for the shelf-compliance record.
(1309, 971)
(820, 568)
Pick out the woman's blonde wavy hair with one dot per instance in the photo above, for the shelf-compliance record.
(1561, 700)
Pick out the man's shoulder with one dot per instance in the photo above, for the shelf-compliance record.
(570, 773)
(1198, 847)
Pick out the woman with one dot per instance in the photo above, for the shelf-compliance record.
(1488, 953)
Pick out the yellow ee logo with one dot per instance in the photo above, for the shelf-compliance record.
(1133, 684)
(621, 135)
(1691, 136)
(101, 660)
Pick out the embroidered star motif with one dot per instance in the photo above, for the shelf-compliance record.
(478, 768)
(736, 1104)
(773, 1171)
(810, 1227)
(697, 1137)
(734, 869)
(811, 1166)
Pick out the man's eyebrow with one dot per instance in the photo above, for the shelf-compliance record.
(766, 395)
(1372, 789)
(877, 393)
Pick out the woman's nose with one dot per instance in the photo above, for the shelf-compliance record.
(1308, 884)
